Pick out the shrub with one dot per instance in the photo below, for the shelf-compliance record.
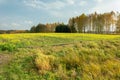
(62, 29)
(7, 46)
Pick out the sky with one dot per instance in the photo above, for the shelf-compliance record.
(23, 14)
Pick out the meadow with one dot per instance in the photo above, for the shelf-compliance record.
(59, 56)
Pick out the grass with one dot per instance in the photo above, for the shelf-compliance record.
(51, 56)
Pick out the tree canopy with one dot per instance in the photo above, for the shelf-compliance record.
(62, 29)
(105, 23)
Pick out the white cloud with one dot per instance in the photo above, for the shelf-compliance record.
(3, 24)
(28, 22)
(40, 4)
(55, 5)
(83, 3)
(10, 25)
(99, 1)
(53, 8)
(15, 24)
(106, 6)
(70, 2)
(76, 12)
(58, 4)
(57, 14)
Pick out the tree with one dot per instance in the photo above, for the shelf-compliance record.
(108, 21)
(62, 29)
(81, 22)
(94, 19)
(113, 21)
(33, 29)
(72, 25)
(90, 23)
(96, 23)
(41, 28)
(100, 23)
(118, 25)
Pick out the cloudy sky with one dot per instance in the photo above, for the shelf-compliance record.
(22, 14)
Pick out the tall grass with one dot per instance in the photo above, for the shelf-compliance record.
(84, 61)
(61, 56)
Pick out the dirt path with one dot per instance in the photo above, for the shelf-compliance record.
(4, 59)
(54, 45)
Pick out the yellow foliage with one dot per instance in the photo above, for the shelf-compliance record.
(92, 70)
(43, 62)
(111, 67)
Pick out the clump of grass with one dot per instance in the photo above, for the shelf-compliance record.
(71, 59)
(111, 69)
(7, 47)
(90, 44)
(44, 62)
(118, 53)
(91, 71)
(61, 72)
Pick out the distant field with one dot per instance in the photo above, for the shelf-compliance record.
(59, 56)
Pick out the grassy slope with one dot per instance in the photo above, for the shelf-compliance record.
(60, 56)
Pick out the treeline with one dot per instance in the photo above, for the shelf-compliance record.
(93, 23)
(13, 31)
(55, 27)
(44, 27)
(96, 23)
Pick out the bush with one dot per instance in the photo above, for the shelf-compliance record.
(8, 47)
(62, 29)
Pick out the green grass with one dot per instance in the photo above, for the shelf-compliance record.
(51, 56)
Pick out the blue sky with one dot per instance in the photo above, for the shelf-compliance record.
(22, 14)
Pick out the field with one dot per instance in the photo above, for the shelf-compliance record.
(59, 56)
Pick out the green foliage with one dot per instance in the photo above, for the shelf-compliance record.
(40, 28)
(72, 26)
(33, 29)
(7, 46)
(21, 67)
(62, 29)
